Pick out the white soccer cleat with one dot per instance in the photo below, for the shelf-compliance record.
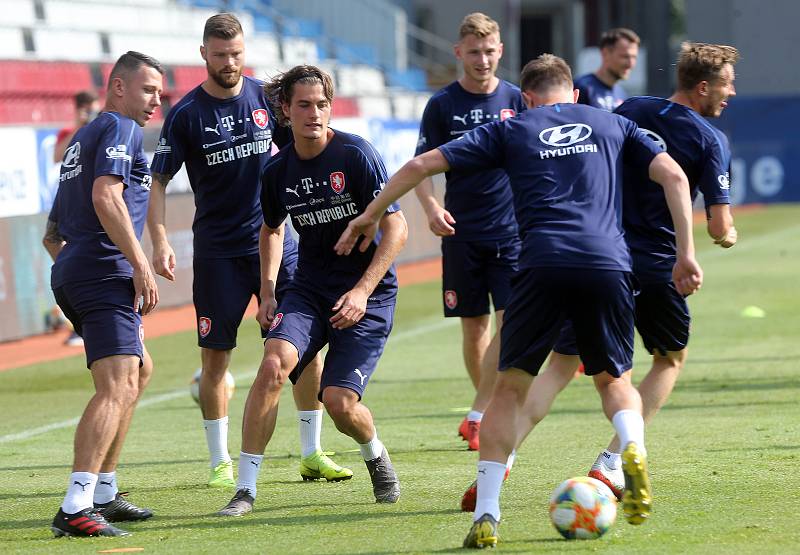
(614, 478)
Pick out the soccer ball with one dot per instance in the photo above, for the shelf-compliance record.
(582, 508)
(194, 385)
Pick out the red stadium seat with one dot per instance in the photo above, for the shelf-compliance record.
(44, 78)
(345, 107)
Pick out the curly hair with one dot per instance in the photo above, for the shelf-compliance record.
(280, 88)
(699, 61)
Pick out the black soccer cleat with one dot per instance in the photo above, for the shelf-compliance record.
(120, 510)
(241, 504)
(85, 523)
(385, 484)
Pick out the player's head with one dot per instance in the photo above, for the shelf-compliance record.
(302, 99)
(479, 48)
(547, 79)
(223, 49)
(135, 86)
(705, 74)
(619, 49)
(86, 106)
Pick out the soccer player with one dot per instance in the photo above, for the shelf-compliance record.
(223, 131)
(480, 245)
(619, 49)
(322, 180)
(563, 160)
(87, 106)
(102, 281)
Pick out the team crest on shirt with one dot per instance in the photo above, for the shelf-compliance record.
(506, 113)
(276, 321)
(337, 182)
(204, 326)
(450, 299)
(261, 118)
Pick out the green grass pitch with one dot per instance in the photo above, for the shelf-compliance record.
(724, 452)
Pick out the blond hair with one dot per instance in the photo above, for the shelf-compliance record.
(545, 72)
(699, 61)
(478, 24)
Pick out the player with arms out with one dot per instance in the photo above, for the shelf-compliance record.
(223, 131)
(619, 49)
(102, 281)
(563, 160)
(322, 180)
(480, 245)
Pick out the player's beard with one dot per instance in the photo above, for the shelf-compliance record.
(224, 80)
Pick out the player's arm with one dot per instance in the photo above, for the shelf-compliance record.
(53, 241)
(61, 146)
(163, 255)
(406, 178)
(116, 221)
(720, 225)
(440, 221)
(351, 306)
(687, 274)
(270, 251)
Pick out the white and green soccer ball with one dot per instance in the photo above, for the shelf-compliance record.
(582, 508)
(194, 385)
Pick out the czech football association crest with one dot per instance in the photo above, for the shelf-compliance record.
(506, 113)
(204, 326)
(337, 182)
(276, 321)
(261, 118)
(450, 299)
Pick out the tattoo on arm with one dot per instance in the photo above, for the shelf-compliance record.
(163, 178)
(51, 234)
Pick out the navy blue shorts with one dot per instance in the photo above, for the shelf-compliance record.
(221, 291)
(598, 302)
(566, 344)
(303, 320)
(472, 271)
(102, 313)
(662, 318)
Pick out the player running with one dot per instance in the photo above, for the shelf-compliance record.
(223, 131)
(619, 49)
(102, 281)
(562, 160)
(322, 180)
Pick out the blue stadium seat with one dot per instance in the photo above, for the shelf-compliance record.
(413, 79)
(301, 27)
(356, 53)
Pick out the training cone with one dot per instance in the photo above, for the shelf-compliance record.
(753, 312)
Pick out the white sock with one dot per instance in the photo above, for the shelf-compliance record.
(310, 429)
(511, 458)
(249, 465)
(490, 480)
(106, 489)
(80, 492)
(217, 440)
(611, 460)
(474, 416)
(371, 450)
(630, 428)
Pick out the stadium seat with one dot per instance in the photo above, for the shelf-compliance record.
(413, 79)
(374, 107)
(167, 49)
(298, 50)
(263, 49)
(54, 44)
(18, 12)
(44, 78)
(12, 43)
(356, 53)
(301, 27)
(345, 107)
(356, 80)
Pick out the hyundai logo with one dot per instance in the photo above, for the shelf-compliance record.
(565, 135)
(662, 144)
(72, 155)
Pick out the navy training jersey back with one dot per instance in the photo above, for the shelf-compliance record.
(481, 203)
(224, 144)
(593, 92)
(564, 164)
(703, 153)
(109, 145)
(322, 195)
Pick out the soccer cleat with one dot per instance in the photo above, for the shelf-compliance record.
(483, 533)
(637, 500)
(120, 510)
(470, 497)
(319, 465)
(462, 429)
(241, 504)
(85, 523)
(385, 484)
(614, 478)
(473, 435)
(222, 476)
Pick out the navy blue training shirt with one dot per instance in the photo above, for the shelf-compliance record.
(109, 145)
(593, 92)
(564, 164)
(224, 144)
(703, 153)
(481, 203)
(322, 195)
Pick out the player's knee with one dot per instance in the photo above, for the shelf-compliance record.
(673, 359)
(145, 372)
(339, 402)
(272, 374)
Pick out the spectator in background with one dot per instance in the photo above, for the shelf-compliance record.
(619, 49)
(87, 106)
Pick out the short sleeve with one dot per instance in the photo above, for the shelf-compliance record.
(172, 146)
(371, 175)
(483, 148)
(116, 148)
(272, 208)
(432, 132)
(715, 178)
(639, 148)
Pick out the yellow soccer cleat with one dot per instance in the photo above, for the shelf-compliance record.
(222, 476)
(637, 500)
(319, 465)
(483, 533)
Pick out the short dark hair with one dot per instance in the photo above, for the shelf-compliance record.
(131, 61)
(609, 38)
(545, 72)
(222, 26)
(699, 61)
(279, 89)
(85, 98)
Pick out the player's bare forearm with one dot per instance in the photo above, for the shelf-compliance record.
(115, 219)
(270, 251)
(666, 172)
(156, 212)
(425, 195)
(394, 233)
(720, 225)
(53, 241)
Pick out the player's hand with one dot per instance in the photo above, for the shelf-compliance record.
(145, 296)
(729, 239)
(687, 275)
(362, 225)
(349, 309)
(266, 309)
(440, 222)
(164, 261)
